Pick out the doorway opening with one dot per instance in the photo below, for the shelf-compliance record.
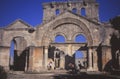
(80, 60)
(18, 52)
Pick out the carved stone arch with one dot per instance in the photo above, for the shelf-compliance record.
(46, 41)
(62, 21)
(79, 33)
(22, 40)
(10, 36)
(18, 54)
(60, 33)
(77, 22)
(66, 23)
(49, 38)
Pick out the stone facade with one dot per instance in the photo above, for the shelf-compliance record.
(35, 47)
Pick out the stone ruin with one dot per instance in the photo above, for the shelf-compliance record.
(35, 47)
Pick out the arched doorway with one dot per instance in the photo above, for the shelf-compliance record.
(18, 54)
(12, 48)
(81, 53)
(80, 60)
(56, 55)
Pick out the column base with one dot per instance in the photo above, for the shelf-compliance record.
(6, 68)
(90, 69)
(37, 70)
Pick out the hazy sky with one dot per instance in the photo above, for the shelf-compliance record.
(31, 10)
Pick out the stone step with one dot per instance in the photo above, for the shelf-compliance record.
(29, 76)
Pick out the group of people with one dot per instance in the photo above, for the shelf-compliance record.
(71, 66)
(78, 68)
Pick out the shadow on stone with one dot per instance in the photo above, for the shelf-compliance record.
(3, 74)
(108, 67)
(79, 76)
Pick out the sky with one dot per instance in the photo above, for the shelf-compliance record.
(31, 11)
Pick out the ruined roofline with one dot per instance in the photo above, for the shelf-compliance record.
(56, 3)
(2, 27)
(68, 1)
(19, 20)
(13, 22)
(72, 1)
(88, 19)
(60, 2)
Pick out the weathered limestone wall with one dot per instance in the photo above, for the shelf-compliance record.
(91, 9)
(106, 57)
(36, 59)
(18, 29)
(4, 57)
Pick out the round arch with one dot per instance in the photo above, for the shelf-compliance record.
(12, 35)
(62, 37)
(19, 40)
(80, 39)
(17, 48)
(77, 22)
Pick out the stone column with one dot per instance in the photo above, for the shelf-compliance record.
(45, 57)
(70, 50)
(26, 63)
(90, 60)
(62, 62)
(30, 57)
(106, 56)
(57, 62)
(95, 59)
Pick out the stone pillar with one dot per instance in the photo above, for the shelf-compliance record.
(26, 63)
(57, 62)
(106, 56)
(70, 50)
(45, 57)
(62, 62)
(95, 59)
(36, 59)
(90, 60)
(30, 59)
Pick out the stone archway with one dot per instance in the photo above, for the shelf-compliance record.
(51, 32)
(69, 28)
(80, 60)
(18, 54)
